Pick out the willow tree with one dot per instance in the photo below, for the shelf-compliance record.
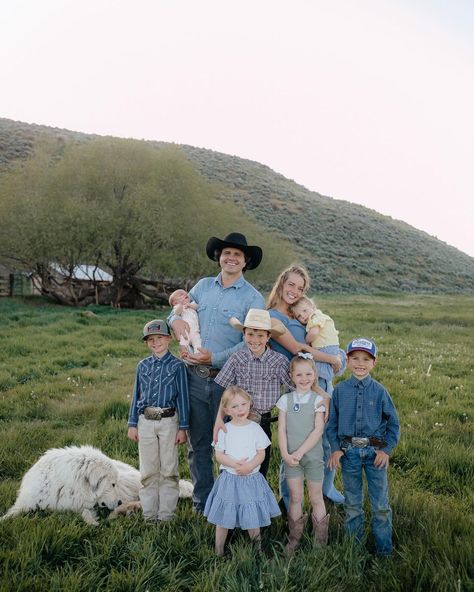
(141, 213)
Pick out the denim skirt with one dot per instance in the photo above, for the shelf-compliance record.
(241, 501)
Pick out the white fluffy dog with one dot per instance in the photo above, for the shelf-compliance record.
(78, 479)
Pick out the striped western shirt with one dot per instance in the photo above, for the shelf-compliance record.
(261, 377)
(160, 382)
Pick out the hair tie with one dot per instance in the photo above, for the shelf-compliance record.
(305, 355)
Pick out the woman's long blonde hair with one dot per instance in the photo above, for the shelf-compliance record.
(276, 295)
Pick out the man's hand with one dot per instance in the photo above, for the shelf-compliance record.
(133, 434)
(333, 462)
(181, 437)
(381, 459)
(179, 327)
(203, 356)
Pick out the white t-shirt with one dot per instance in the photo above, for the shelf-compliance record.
(241, 441)
(301, 399)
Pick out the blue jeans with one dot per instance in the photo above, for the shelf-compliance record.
(353, 463)
(204, 399)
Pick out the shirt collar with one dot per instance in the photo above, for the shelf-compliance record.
(365, 382)
(237, 284)
(261, 358)
(157, 360)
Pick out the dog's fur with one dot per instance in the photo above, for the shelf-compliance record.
(78, 479)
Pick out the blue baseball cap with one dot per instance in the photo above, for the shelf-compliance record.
(362, 344)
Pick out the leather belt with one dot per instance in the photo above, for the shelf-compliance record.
(363, 442)
(157, 413)
(203, 371)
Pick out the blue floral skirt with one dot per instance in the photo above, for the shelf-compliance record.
(241, 501)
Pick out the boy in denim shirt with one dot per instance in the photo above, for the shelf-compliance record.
(363, 429)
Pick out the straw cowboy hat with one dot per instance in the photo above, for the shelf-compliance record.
(261, 320)
(254, 254)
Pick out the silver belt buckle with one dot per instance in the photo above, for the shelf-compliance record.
(153, 413)
(360, 442)
(202, 371)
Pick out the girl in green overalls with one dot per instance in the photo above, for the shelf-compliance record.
(300, 430)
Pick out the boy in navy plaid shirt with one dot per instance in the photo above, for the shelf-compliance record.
(363, 429)
(258, 370)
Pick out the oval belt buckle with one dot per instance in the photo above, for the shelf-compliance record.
(202, 371)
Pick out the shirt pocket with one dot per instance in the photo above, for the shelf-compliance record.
(227, 313)
(244, 381)
(167, 378)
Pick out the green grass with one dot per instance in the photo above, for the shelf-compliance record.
(67, 379)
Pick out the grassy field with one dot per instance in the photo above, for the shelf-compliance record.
(66, 379)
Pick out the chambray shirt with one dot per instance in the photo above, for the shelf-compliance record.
(294, 327)
(216, 305)
(160, 382)
(362, 408)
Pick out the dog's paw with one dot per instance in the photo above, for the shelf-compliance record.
(128, 509)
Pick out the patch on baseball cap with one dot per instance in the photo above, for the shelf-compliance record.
(362, 344)
(156, 327)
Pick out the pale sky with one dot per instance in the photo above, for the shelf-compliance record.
(370, 101)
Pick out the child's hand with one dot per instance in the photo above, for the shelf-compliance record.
(181, 437)
(333, 462)
(239, 465)
(244, 468)
(381, 459)
(219, 425)
(326, 403)
(133, 434)
(291, 460)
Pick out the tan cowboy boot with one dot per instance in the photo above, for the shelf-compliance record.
(295, 532)
(320, 530)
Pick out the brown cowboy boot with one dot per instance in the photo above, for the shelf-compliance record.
(295, 532)
(320, 530)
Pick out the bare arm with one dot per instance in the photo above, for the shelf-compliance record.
(228, 461)
(311, 334)
(283, 442)
(289, 343)
(219, 423)
(247, 467)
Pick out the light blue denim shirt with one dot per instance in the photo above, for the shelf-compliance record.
(216, 305)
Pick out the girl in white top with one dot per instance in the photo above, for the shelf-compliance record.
(300, 430)
(240, 497)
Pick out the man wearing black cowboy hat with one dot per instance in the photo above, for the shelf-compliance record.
(218, 299)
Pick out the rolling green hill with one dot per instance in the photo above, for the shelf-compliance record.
(347, 247)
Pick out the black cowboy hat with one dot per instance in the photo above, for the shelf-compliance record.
(254, 254)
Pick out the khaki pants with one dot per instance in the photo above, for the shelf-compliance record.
(158, 467)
